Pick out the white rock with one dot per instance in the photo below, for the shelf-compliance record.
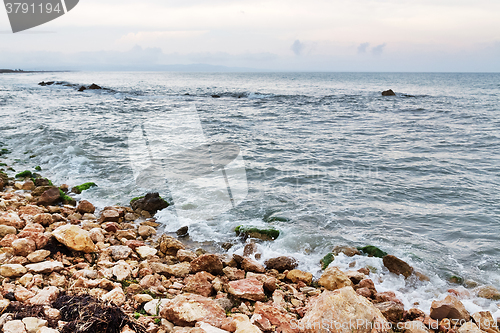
(146, 251)
(12, 270)
(45, 267)
(122, 270)
(14, 326)
(33, 324)
(154, 307)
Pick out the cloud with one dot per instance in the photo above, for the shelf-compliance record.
(362, 47)
(155, 35)
(377, 50)
(297, 47)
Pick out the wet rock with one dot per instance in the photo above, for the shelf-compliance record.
(200, 283)
(45, 267)
(12, 270)
(349, 251)
(397, 266)
(12, 219)
(372, 251)
(250, 248)
(450, 307)
(296, 275)
(85, 207)
(488, 292)
(386, 296)
(187, 309)
(207, 262)
(392, 311)
(333, 278)
(75, 238)
(355, 276)
(251, 289)
(344, 305)
(169, 245)
(151, 203)
(182, 232)
(50, 197)
(82, 88)
(277, 317)
(485, 321)
(28, 185)
(281, 263)
(251, 265)
(388, 93)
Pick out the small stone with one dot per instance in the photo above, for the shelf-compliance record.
(187, 309)
(85, 207)
(120, 252)
(96, 235)
(143, 298)
(33, 324)
(450, 307)
(127, 234)
(296, 275)
(349, 251)
(397, 266)
(14, 326)
(50, 197)
(489, 292)
(251, 265)
(115, 296)
(146, 231)
(392, 311)
(469, 327)
(281, 263)
(169, 245)
(45, 267)
(12, 219)
(44, 219)
(38, 255)
(45, 296)
(109, 216)
(182, 232)
(233, 273)
(186, 255)
(23, 246)
(146, 251)
(154, 307)
(207, 262)
(122, 270)
(12, 270)
(6, 230)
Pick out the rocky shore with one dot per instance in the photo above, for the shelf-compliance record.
(66, 267)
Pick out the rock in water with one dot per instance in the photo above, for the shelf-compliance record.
(397, 266)
(388, 93)
(75, 238)
(151, 203)
(182, 232)
(450, 307)
(343, 306)
(82, 88)
(94, 86)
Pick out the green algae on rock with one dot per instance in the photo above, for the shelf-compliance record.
(254, 232)
(327, 260)
(372, 251)
(24, 174)
(80, 188)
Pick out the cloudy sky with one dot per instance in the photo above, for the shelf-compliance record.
(284, 35)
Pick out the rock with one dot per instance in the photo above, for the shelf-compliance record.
(12, 219)
(343, 306)
(488, 292)
(151, 203)
(169, 245)
(262, 323)
(388, 93)
(115, 296)
(185, 255)
(233, 273)
(7, 240)
(259, 233)
(145, 231)
(75, 238)
(45, 297)
(23, 246)
(251, 289)
(127, 234)
(251, 265)
(450, 307)
(14, 326)
(250, 248)
(120, 252)
(414, 327)
(243, 324)
(145, 251)
(44, 219)
(6, 230)
(42, 182)
(281, 263)
(392, 311)
(155, 306)
(28, 185)
(485, 321)
(50, 197)
(96, 235)
(47, 330)
(187, 309)
(82, 88)
(143, 298)
(386, 296)
(349, 251)
(109, 216)
(45, 267)
(200, 284)
(333, 278)
(85, 207)
(397, 266)
(277, 317)
(94, 86)
(469, 327)
(182, 232)
(207, 328)
(122, 270)
(178, 270)
(373, 251)
(207, 262)
(12, 270)
(296, 275)
(355, 276)
(33, 324)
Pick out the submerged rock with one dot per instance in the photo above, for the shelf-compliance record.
(326, 260)
(388, 93)
(94, 86)
(259, 233)
(151, 203)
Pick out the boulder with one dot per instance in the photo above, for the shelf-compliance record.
(281, 263)
(187, 309)
(277, 317)
(397, 266)
(75, 238)
(151, 203)
(333, 278)
(85, 207)
(50, 197)
(208, 263)
(388, 93)
(450, 307)
(251, 289)
(296, 275)
(343, 306)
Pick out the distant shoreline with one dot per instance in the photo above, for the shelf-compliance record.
(20, 71)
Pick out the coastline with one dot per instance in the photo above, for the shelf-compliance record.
(53, 248)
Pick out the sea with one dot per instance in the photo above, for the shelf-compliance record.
(322, 157)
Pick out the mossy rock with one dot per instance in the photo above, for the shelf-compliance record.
(3, 164)
(4, 151)
(135, 199)
(4, 177)
(259, 233)
(24, 174)
(38, 168)
(372, 251)
(66, 199)
(456, 279)
(327, 260)
(80, 188)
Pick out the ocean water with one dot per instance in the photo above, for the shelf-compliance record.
(416, 174)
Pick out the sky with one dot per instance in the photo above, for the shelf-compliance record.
(271, 35)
